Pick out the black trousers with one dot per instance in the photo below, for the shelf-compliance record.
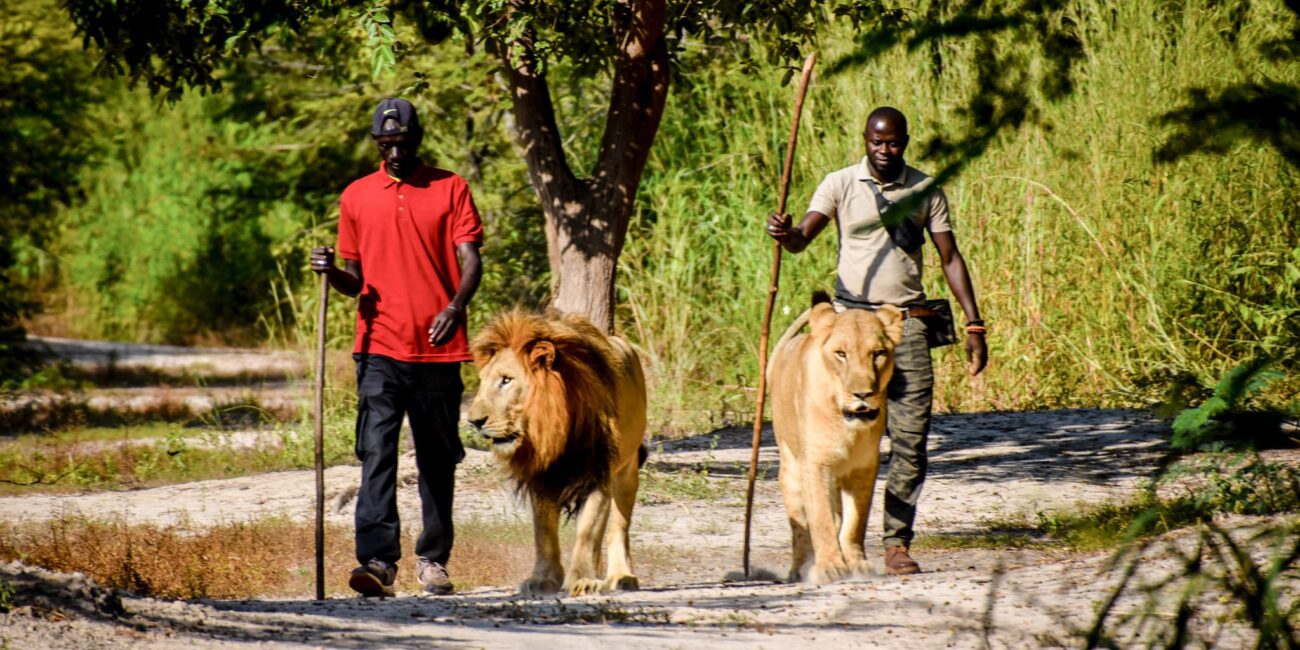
(429, 395)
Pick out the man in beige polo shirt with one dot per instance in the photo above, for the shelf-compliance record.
(880, 264)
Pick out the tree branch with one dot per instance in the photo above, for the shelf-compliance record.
(635, 107)
(536, 128)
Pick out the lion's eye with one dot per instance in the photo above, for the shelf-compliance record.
(880, 354)
(839, 354)
(505, 381)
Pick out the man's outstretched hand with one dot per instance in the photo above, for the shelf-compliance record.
(444, 326)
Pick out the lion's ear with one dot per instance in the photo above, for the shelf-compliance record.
(542, 355)
(483, 353)
(892, 318)
(821, 317)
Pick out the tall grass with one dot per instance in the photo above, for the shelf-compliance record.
(1101, 272)
(1106, 277)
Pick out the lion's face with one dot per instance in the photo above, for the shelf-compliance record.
(498, 408)
(550, 394)
(855, 355)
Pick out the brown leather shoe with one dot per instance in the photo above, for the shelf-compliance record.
(899, 563)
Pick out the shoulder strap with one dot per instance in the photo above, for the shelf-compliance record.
(906, 234)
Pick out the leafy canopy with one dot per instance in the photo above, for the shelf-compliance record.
(174, 44)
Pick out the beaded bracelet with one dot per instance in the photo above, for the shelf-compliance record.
(976, 329)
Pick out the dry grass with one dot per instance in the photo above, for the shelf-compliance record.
(275, 557)
(67, 464)
(269, 557)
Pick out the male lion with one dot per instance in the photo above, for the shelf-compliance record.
(564, 406)
(828, 413)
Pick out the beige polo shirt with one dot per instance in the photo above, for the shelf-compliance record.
(871, 268)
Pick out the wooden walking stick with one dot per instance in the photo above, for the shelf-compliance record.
(771, 299)
(320, 437)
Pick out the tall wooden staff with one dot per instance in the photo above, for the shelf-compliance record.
(771, 299)
(320, 437)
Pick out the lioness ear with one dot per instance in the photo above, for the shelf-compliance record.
(542, 355)
(821, 317)
(892, 318)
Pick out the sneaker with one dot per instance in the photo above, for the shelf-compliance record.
(899, 563)
(374, 579)
(433, 576)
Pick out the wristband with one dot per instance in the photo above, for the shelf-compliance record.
(452, 307)
(976, 329)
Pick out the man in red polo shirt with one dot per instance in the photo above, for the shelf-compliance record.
(409, 236)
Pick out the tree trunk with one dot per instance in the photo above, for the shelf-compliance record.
(587, 219)
(585, 271)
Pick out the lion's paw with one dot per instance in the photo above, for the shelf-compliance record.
(539, 586)
(622, 583)
(826, 573)
(584, 586)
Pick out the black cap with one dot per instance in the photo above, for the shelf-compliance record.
(394, 117)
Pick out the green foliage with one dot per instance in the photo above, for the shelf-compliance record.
(228, 193)
(172, 45)
(1184, 494)
(178, 46)
(6, 597)
(1264, 108)
(1243, 484)
(1219, 565)
(1106, 271)
(1223, 417)
(44, 94)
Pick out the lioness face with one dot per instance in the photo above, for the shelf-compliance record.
(498, 409)
(857, 347)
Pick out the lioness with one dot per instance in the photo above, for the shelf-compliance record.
(828, 414)
(564, 407)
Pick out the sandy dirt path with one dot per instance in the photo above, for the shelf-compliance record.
(983, 466)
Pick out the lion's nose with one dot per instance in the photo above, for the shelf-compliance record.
(478, 424)
(864, 395)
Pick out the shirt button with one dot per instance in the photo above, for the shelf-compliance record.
(401, 196)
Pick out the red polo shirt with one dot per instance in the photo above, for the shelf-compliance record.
(405, 234)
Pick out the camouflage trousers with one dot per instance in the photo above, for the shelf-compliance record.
(911, 392)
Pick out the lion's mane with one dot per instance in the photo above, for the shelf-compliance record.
(567, 443)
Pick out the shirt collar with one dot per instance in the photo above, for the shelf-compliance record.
(389, 181)
(864, 174)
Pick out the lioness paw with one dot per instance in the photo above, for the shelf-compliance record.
(823, 573)
(860, 569)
